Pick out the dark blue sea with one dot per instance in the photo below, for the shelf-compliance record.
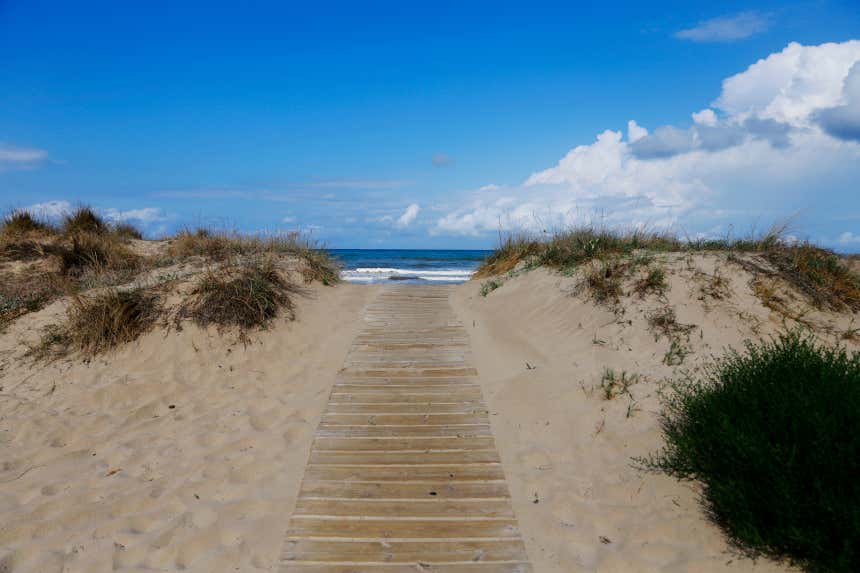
(406, 265)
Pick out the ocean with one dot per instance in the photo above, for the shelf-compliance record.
(405, 265)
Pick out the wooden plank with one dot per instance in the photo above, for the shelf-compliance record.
(403, 551)
(463, 431)
(417, 567)
(404, 473)
(385, 528)
(412, 508)
(322, 443)
(406, 408)
(381, 490)
(403, 419)
(377, 457)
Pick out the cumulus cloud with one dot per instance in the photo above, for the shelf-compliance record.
(12, 157)
(442, 160)
(635, 132)
(757, 149)
(843, 121)
(408, 215)
(727, 28)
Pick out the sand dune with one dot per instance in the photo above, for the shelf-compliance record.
(181, 451)
(540, 350)
(184, 450)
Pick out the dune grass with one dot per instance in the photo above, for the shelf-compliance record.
(126, 231)
(815, 271)
(84, 219)
(246, 295)
(94, 253)
(773, 436)
(317, 265)
(100, 322)
(19, 223)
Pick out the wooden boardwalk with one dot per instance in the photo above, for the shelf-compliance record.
(404, 475)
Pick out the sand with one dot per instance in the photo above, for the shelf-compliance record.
(540, 349)
(182, 451)
(185, 450)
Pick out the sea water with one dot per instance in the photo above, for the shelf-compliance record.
(411, 266)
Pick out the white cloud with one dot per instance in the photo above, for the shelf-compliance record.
(635, 132)
(288, 219)
(760, 157)
(408, 215)
(49, 209)
(727, 28)
(843, 121)
(788, 86)
(144, 215)
(20, 157)
(848, 237)
(705, 117)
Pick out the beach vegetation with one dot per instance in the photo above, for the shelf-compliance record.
(126, 231)
(772, 435)
(316, 263)
(100, 322)
(248, 294)
(489, 286)
(815, 271)
(20, 223)
(614, 384)
(84, 219)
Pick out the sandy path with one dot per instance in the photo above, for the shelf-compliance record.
(404, 475)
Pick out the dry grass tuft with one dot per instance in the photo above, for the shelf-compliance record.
(654, 281)
(248, 295)
(84, 220)
(23, 250)
(509, 254)
(104, 321)
(126, 231)
(663, 321)
(25, 292)
(96, 254)
(20, 223)
(317, 265)
(604, 280)
(818, 273)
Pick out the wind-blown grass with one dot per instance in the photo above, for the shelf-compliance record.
(220, 246)
(773, 436)
(246, 296)
(813, 270)
(84, 219)
(18, 223)
(101, 322)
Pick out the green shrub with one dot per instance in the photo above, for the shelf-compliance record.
(489, 286)
(773, 435)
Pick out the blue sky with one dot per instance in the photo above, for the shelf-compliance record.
(402, 124)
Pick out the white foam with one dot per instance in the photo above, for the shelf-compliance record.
(381, 274)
